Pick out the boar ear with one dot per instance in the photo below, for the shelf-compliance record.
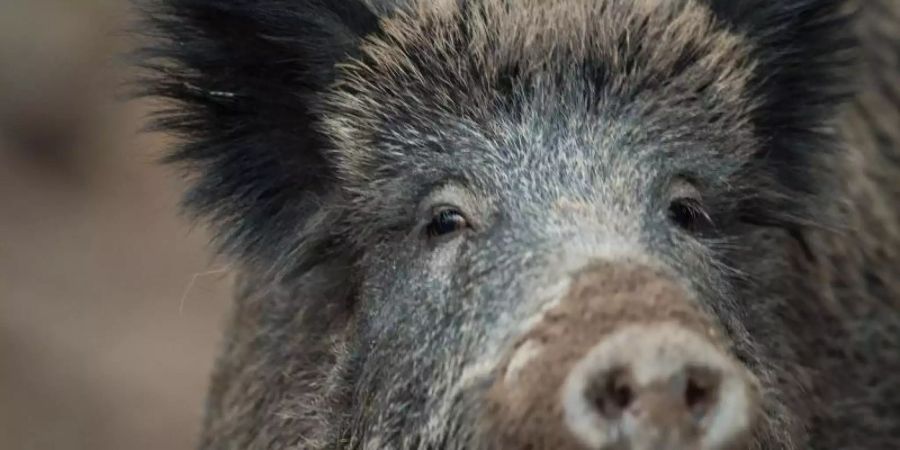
(242, 80)
(804, 52)
(805, 57)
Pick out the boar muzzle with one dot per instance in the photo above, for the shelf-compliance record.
(626, 360)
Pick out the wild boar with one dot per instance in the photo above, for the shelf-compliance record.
(564, 224)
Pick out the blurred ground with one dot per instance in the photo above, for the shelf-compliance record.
(102, 344)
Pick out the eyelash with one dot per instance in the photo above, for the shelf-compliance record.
(446, 221)
(689, 214)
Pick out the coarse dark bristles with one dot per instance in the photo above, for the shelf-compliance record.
(244, 79)
(806, 63)
(240, 79)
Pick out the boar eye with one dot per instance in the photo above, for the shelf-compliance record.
(446, 220)
(689, 214)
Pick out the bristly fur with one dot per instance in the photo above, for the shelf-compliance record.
(805, 66)
(246, 79)
(780, 67)
(310, 129)
(243, 78)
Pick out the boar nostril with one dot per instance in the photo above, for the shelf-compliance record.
(621, 395)
(612, 393)
(702, 388)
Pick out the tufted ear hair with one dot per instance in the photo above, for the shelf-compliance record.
(805, 53)
(243, 80)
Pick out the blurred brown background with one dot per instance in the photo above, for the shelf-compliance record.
(110, 305)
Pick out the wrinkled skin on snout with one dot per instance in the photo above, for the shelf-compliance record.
(559, 224)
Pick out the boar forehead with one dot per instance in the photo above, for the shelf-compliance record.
(496, 81)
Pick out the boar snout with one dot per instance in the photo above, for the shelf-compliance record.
(657, 386)
(625, 361)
